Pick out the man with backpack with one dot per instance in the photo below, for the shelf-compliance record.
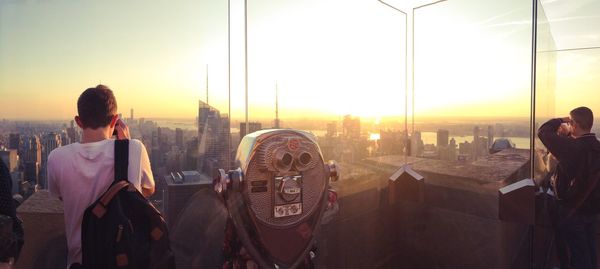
(80, 173)
(575, 184)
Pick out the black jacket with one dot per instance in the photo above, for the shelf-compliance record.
(571, 154)
(8, 208)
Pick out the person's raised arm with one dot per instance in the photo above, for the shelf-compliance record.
(560, 145)
(147, 180)
(53, 186)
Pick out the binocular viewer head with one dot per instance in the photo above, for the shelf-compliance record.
(277, 195)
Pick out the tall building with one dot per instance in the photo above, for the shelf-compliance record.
(391, 142)
(180, 187)
(277, 124)
(31, 158)
(14, 141)
(10, 158)
(156, 155)
(32, 172)
(476, 143)
(31, 149)
(191, 155)
(50, 142)
(351, 128)
(213, 139)
(452, 150)
(131, 115)
(174, 159)
(491, 136)
(465, 149)
(64, 138)
(253, 126)
(442, 137)
(72, 133)
(416, 144)
(179, 138)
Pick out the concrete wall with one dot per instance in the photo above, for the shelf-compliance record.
(370, 233)
(456, 226)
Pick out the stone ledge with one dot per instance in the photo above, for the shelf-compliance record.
(41, 202)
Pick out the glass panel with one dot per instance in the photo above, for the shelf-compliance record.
(337, 69)
(341, 79)
(153, 55)
(567, 64)
(480, 62)
(545, 90)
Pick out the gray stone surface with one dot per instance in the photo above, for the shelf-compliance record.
(456, 226)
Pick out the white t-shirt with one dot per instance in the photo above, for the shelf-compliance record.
(80, 173)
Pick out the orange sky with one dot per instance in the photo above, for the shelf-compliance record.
(329, 57)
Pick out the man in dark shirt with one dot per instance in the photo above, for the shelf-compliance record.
(569, 139)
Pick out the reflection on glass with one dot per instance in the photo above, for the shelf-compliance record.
(545, 91)
(341, 79)
(568, 57)
(471, 80)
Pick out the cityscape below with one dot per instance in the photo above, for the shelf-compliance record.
(210, 142)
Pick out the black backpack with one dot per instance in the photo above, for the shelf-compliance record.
(122, 229)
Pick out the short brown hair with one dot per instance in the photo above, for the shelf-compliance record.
(96, 107)
(584, 117)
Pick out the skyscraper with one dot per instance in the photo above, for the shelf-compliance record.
(9, 157)
(277, 124)
(351, 128)
(179, 138)
(452, 150)
(442, 138)
(213, 139)
(31, 149)
(253, 126)
(476, 143)
(31, 158)
(156, 156)
(50, 142)
(416, 144)
(14, 141)
(72, 133)
(491, 136)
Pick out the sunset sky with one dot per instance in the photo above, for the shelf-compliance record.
(329, 57)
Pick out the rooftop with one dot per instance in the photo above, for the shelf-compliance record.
(187, 178)
(492, 168)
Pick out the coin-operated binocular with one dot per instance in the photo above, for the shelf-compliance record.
(276, 198)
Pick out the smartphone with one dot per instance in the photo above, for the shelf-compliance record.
(115, 133)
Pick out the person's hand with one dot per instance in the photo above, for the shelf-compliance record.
(122, 130)
(564, 129)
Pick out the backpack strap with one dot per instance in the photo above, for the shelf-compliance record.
(121, 160)
(100, 209)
